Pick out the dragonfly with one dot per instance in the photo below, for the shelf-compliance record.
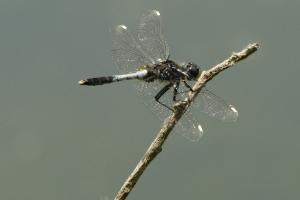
(144, 56)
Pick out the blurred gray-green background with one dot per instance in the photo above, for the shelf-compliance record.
(62, 141)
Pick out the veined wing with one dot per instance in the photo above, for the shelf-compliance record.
(211, 104)
(214, 106)
(127, 51)
(151, 37)
(188, 126)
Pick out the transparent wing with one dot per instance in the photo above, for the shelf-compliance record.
(127, 52)
(151, 37)
(210, 104)
(187, 126)
(214, 106)
(148, 90)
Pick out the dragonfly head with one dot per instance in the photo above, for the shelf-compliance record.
(192, 70)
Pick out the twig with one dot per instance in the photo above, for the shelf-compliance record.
(156, 146)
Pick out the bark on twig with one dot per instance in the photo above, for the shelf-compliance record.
(156, 146)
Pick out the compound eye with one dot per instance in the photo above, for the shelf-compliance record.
(193, 70)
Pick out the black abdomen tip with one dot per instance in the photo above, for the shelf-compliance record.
(96, 81)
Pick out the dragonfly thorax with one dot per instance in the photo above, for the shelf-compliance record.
(169, 71)
(172, 72)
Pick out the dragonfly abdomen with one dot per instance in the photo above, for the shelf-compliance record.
(115, 78)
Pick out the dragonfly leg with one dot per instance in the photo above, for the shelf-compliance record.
(162, 92)
(190, 89)
(175, 91)
(188, 86)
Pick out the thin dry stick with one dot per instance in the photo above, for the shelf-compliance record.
(156, 146)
